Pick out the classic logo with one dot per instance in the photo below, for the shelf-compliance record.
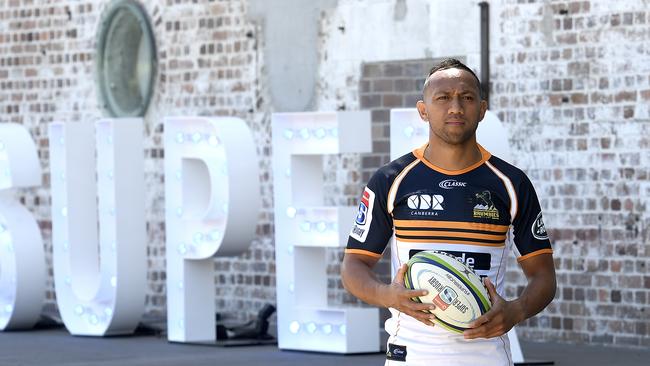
(396, 352)
(425, 202)
(451, 184)
(538, 229)
(364, 216)
(484, 208)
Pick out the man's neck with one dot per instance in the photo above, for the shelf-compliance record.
(453, 157)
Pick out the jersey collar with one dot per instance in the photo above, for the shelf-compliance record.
(419, 153)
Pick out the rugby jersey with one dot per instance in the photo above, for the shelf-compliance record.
(478, 214)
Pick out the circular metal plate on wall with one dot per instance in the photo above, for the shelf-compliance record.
(126, 59)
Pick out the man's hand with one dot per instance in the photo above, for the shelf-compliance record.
(499, 319)
(398, 297)
(360, 281)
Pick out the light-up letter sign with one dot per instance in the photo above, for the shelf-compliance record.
(99, 287)
(408, 131)
(212, 201)
(304, 227)
(22, 257)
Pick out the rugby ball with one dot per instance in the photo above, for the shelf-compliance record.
(455, 289)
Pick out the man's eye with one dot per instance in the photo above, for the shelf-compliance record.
(468, 98)
(442, 97)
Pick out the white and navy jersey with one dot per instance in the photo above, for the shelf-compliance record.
(478, 214)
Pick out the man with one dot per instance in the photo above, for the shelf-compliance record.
(450, 195)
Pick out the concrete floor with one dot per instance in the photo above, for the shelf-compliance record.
(56, 347)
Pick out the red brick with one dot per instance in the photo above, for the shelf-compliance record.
(382, 85)
(392, 101)
(625, 96)
(579, 98)
(645, 95)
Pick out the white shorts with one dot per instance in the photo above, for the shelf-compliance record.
(441, 347)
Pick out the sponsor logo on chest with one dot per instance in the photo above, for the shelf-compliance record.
(475, 261)
(485, 208)
(451, 184)
(425, 204)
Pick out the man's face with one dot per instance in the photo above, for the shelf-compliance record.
(452, 106)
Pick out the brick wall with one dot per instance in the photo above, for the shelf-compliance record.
(46, 58)
(208, 65)
(570, 82)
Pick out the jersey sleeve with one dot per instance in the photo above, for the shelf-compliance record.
(530, 236)
(373, 226)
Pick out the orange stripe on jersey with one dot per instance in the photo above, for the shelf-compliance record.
(533, 254)
(363, 252)
(455, 234)
(450, 241)
(500, 229)
(390, 203)
(510, 188)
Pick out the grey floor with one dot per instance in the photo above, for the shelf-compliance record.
(57, 347)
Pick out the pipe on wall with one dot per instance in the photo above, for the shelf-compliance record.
(485, 49)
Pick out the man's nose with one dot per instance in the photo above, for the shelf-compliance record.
(455, 106)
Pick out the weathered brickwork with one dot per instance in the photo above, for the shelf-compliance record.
(46, 55)
(570, 81)
(208, 65)
(568, 78)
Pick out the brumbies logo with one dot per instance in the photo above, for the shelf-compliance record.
(484, 208)
(538, 229)
(364, 216)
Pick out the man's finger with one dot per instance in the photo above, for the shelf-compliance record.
(475, 333)
(492, 291)
(415, 293)
(480, 320)
(425, 318)
(416, 306)
(431, 321)
(399, 277)
(417, 314)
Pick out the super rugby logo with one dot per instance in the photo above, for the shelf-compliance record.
(451, 184)
(364, 216)
(363, 207)
(538, 228)
(445, 298)
(425, 202)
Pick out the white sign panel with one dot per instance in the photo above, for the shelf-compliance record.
(212, 202)
(304, 227)
(22, 256)
(99, 286)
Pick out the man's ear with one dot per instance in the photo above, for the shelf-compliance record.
(484, 107)
(422, 109)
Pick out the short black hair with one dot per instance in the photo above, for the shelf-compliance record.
(452, 63)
